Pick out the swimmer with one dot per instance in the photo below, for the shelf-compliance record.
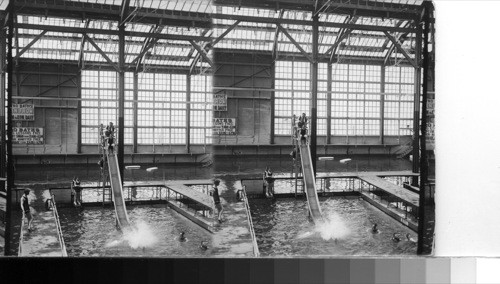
(182, 238)
(395, 238)
(203, 245)
(409, 239)
(374, 229)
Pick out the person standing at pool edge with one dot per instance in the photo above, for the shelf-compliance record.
(25, 206)
(216, 197)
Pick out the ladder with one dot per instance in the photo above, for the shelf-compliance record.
(104, 174)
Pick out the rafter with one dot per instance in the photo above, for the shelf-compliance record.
(276, 37)
(82, 47)
(32, 42)
(91, 41)
(398, 46)
(283, 30)
(221, 36)
(148, 43)
(202, 52)
(124, 11)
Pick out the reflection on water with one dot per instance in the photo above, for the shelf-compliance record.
(283, 229)
(92, 232)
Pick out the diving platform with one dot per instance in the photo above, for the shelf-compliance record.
(46, 239)
(182, 187)
(201, 200)
(400, 192)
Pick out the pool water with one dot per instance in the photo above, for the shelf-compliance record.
(283, 228)
(92, 232)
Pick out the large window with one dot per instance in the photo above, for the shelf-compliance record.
(293, 93)
(398, 106)
(201, 109)
(355, 100)
(99, 102)
(161, 109)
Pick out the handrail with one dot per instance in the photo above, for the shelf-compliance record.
(58, 224)
(21, 236)
(250, 223)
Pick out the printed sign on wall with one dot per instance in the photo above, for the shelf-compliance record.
(226, 126)
(25, 112)
(27, 135)
(220, 102)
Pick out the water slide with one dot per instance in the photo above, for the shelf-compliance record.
(117, 190)
(310, 182)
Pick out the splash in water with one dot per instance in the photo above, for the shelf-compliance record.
(333, 228)
(139, 235)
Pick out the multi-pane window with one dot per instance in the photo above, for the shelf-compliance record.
(99, 103)
(355, 100)
(161, 109)
(398, 106)
(201, 109)
(293, 93)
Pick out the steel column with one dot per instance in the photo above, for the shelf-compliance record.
(135, 105)
(314, 92)
(416, 105)
(329, 104)
(382, 104)
(121, 99)
(424, 171)
(10, 161)
(3, 155)
(188, 113)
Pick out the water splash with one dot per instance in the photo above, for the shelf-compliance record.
(333, 228)
(140, 236)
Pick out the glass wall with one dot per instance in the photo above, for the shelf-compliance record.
(99, 102)
(201, 109)
(160, 107)
(398, 107)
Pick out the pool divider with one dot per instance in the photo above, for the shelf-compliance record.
(250, 223)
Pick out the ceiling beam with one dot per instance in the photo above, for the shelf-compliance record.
(124, 11)
(283, 30)
(339, 39)
(148, 43)
(202, 52)
(219, 38)
(32, 42)
(111, 32)
(267, 20)
(101, 52)
(398, 46)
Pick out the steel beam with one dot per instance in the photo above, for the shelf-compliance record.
(333, 49)
(103, 53)
(283, 30)
(416, 108)
(398, 46)
(201, 51)
(62, 29)
(82, 48)
(32, 42)
(276, 21)
(228, 30)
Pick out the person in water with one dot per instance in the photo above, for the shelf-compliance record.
(216, 197)
(374, 229)
(395, 238)
(25, 206)
(182, 238)
(203, 245)
(409, 239)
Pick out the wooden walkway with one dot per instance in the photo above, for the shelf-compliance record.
(391, 188)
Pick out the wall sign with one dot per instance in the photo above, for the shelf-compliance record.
(226, 126)
(27, 135)
(25, 112)
(220, 102)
